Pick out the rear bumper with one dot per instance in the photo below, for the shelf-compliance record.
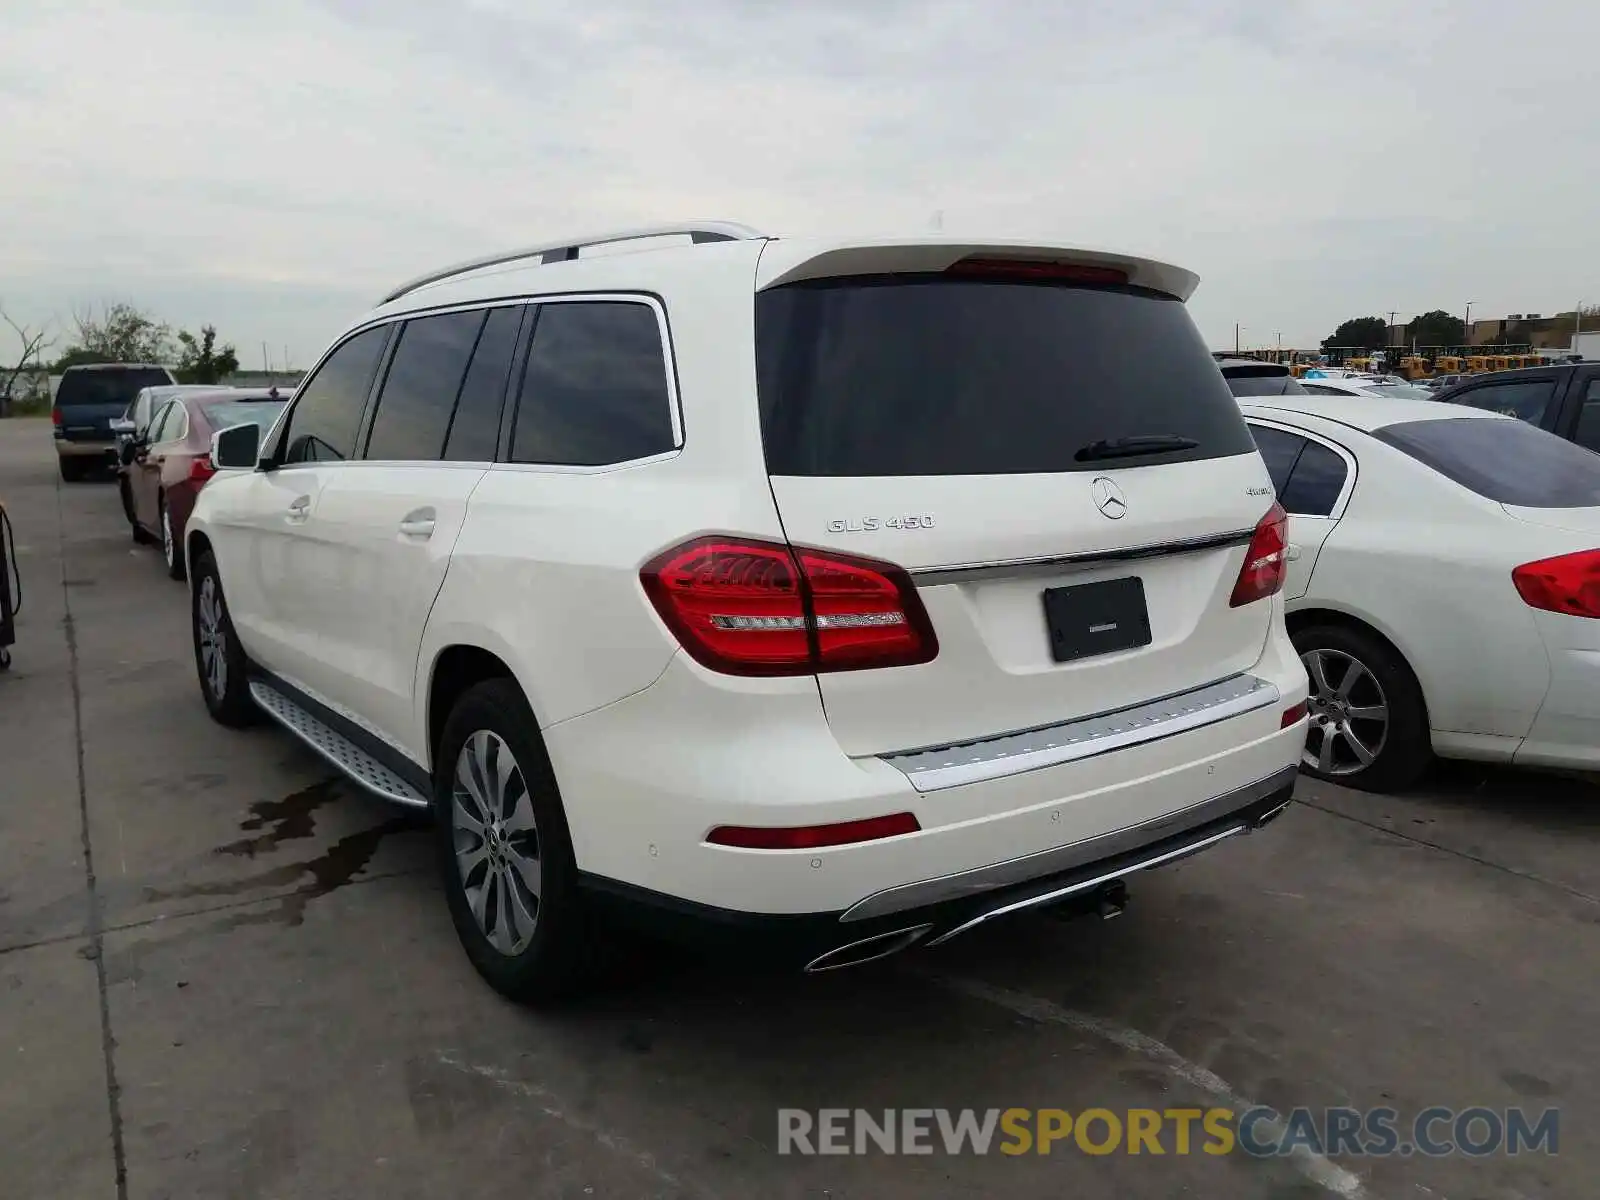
(1566, 733)
(86, 449)
(934, 911)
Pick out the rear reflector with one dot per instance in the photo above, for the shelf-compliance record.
(1568, 584)
(1293, 716)
(201, 469)
(807, 837)
(1266, 562)
(747, 607)
(1017, 268)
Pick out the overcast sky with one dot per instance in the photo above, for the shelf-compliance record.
(272, 167)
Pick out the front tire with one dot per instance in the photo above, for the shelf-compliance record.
(505, 854)
(171, 549)
(218, 657)
(1369, 723)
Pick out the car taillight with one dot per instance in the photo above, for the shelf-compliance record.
(55, 416)
(747, 607)
(201, 469)
(1034, 269)
(807, 837)
(1266, 562)
(1569, 583)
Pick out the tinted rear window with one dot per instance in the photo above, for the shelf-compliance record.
(108, 385)
(926, 375)
(1263, 383)
(1507, 461)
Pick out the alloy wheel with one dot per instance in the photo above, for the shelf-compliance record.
(1349, 713)
(496, 840)
(167, 547)
(213, 638)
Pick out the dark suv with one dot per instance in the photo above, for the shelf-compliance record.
(1564, 399)
(88, 400)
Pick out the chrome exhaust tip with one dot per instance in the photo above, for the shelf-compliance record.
(854, 954)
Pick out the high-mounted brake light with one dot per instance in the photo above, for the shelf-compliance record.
(808, 837)
(201, 469)
(748, 607)
(1569, 584)
(1266, 562)
(1019, 268)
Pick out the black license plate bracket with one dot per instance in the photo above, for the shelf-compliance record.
(1096, 618)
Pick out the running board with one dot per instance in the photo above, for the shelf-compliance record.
(359, 766)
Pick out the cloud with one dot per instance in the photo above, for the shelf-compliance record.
(273, 167)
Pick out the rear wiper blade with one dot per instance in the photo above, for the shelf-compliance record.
(1160, 443)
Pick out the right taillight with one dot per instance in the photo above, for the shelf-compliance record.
(1266, 562)
(1569, 583)
(747, 607)
(55, 415)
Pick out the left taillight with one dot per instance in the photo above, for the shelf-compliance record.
(1266, 562)
(1568, 584)
(201, 469)
(743, 606)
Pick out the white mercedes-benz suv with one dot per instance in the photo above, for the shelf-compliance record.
(830, 596)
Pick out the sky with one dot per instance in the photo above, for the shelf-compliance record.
(273, 167)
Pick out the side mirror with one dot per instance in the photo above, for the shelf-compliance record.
(236, 448)
(121, 425)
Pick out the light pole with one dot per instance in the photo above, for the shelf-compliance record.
(1470, 303)
(1278, 333)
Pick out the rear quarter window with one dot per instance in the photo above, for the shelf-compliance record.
(929, 375)
(1508, 461)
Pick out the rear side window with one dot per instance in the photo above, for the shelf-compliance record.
(928, 375)
(1526, 399)
(165, 423)
(594, 390)
(1308, 476)
(327, 410)
(1510, 462)
(1280, 451)
(475, 429)
(1243, 382)
(1587, 433)
(420, 389)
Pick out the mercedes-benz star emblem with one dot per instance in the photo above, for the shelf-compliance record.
(1108, 498)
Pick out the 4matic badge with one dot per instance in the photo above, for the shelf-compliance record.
(873, 524)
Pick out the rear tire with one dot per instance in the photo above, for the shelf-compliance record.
(1369, 723)
(219, 659)
(505, 854)
(72, 469)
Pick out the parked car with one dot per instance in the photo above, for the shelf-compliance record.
(171, 462)
(132, 427)
(1444, 588)
(87, 400)
(1387, 389)
(1247, 377)
(1563, 398)
(609, 561)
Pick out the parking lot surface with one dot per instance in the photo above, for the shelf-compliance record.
(224, 972)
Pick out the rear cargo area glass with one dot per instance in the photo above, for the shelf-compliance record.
(931, 375)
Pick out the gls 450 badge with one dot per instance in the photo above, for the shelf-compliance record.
(873, 524)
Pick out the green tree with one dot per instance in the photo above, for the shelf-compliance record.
(201, 361)
(1367, 333)
(121, 333)
(1437, 328)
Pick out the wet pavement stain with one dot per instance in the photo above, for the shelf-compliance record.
(285, 820)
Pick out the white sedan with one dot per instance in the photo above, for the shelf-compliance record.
(1444, 584)
(1364, 385)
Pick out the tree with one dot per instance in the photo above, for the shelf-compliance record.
(122, 333)
(1367, 333)
(199, 360)
(34, 343)
(1437, 328)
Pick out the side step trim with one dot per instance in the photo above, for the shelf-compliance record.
(1085, 737)
(359, 766)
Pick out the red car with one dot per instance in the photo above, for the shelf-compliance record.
(164, 471)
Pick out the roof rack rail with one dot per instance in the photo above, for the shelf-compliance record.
(696, 231)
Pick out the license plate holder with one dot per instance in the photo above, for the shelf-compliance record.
(1096, 618)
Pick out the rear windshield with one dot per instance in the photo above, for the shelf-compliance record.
(1507, 461)
(108, 385)
(221, 414)
(1242, 381)
(927, 375)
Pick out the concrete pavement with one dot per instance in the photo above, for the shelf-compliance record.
(225, 973)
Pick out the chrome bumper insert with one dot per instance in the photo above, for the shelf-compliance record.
(1060, 859)
(1012, 753)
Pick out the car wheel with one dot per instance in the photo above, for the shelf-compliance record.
(72, 469)
(171, 549)
(1368, 724)
(218, 657)
(504, 850)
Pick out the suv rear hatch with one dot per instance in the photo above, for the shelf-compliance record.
(985, 424)
(89, 398)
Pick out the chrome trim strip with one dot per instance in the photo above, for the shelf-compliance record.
(1031, 749)
(1084, 885)
(1023, 568)
(1064, 858)
(893, 942)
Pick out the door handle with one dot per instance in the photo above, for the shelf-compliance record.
(418, 524)
(299, 508)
